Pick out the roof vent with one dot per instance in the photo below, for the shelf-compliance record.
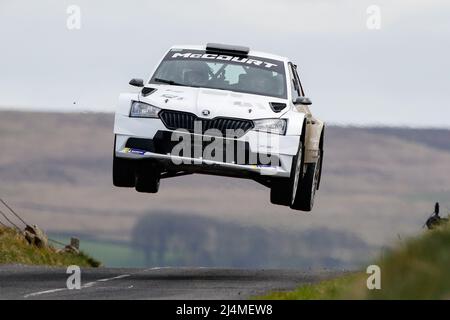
(227, 49)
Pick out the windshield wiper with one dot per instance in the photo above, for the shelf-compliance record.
(171, 82)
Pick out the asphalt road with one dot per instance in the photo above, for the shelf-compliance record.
(30, 282)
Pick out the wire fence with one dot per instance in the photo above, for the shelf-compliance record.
(2, 224)
(12, 211)
(10, 215)
(9, 221)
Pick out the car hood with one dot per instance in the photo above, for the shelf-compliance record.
(211, 103)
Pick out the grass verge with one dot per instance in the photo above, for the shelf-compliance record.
(15, 249)
(337, 288)
(418, 268)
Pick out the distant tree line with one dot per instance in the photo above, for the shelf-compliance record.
(170, 239)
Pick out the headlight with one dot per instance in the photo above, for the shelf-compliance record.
(143, 110)
(277, 126)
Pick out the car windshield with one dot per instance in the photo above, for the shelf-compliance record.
(196, 68)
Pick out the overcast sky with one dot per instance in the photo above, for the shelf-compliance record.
(397, 75)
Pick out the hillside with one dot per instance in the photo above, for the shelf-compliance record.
(378, 185)
(431, 137)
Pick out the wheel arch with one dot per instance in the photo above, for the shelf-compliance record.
(321, 150)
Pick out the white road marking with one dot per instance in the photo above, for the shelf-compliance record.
(43, 292)
(155, 268)
(87, 285)
(118, 277)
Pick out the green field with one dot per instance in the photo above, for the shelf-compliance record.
(110, 253)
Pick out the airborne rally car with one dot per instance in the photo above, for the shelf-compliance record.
(220, 110)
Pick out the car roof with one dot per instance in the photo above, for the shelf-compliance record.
(251, 52)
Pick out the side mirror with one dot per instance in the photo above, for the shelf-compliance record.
(303, 101)
(136, 82)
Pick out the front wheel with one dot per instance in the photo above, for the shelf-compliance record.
(147, 178)
(123, 172)
(280, 192)
(283, 190)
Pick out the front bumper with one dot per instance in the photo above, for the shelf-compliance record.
(140, 138)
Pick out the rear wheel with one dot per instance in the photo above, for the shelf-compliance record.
(123, 172)
(147, 178)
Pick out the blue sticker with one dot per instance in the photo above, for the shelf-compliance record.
(137, 151)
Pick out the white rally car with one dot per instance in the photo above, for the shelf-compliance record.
(220, 110)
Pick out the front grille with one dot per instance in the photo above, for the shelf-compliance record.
(183, 120)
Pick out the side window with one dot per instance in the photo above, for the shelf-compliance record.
(295, 87)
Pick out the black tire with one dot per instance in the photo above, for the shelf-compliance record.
(304, 199)
(320, 166)
(147, 178)
(123, 173)
(281, 191)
